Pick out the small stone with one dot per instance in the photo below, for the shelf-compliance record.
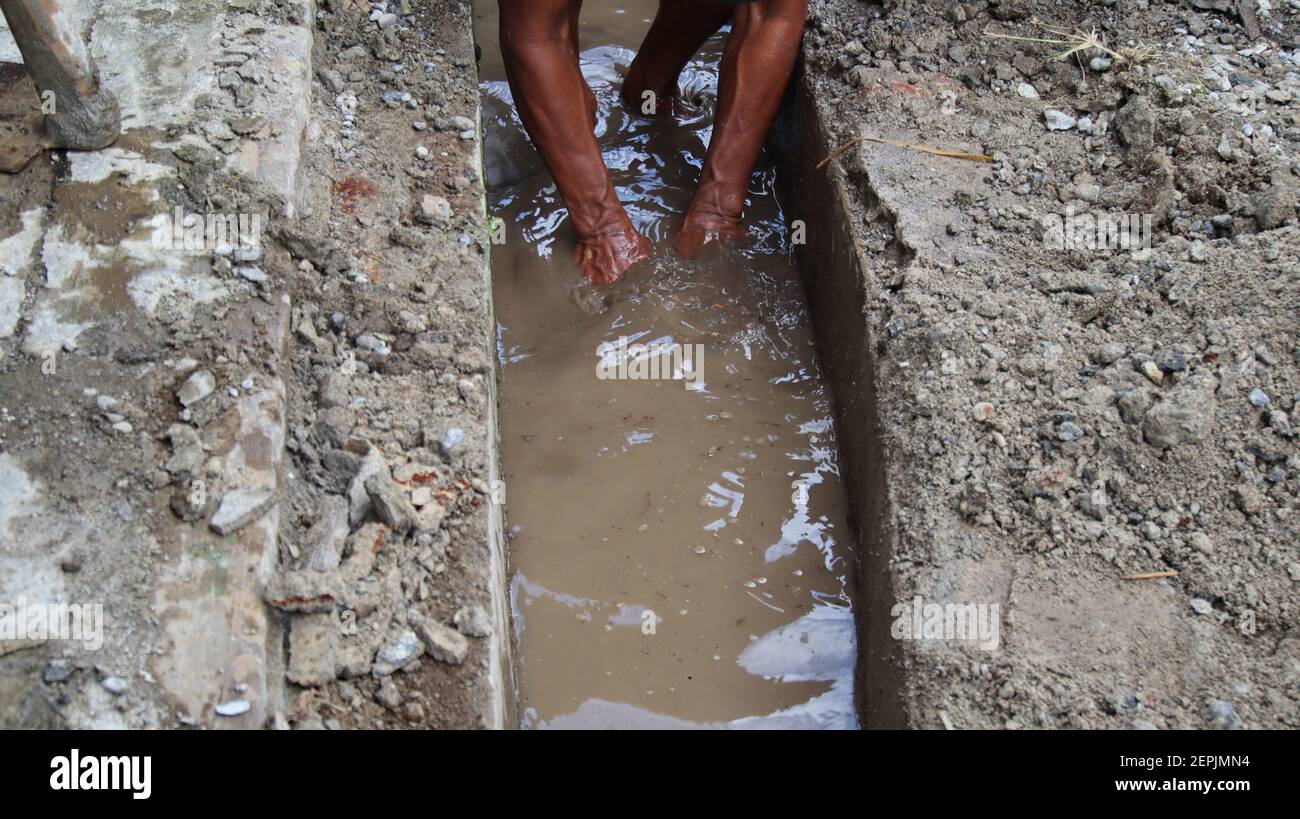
(233, 708)
(1259, 398)
(187, 450)
(1152, 371)
(393, 656)
(452, 439)
(982, 411)
(434, 209)
(388, 695)
(1185, 416)
(57, 671)
(1058, 120)
(1171, 361)
(1069, 431)
(1202, 606)
(389, 504)
(1274, 207)
(1135, 403)
(114, 685)
(445, 645)
(1109, 353)
(197, 387)
(473, 621)
(304, 592)
(240, 508)
(1247, 499)
(313, 640)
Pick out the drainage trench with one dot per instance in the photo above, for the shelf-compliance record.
(678, 527)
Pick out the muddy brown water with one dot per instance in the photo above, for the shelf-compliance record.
(680, 554)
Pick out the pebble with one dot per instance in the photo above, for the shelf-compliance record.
(1152, 371)
(197, 387)
(1259, 398)
(398, 653)
(473, 621)
(240, 508)
(114, 685)
(233, 708)
(1058, 120)
(445, 645)
(453, 438)
(1069, 431)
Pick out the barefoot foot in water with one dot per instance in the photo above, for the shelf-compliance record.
(714, 217)
(604, 254)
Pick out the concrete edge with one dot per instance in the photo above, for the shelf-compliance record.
(504, 708)
(839, 277)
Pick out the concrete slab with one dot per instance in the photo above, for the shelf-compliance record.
(121, 317)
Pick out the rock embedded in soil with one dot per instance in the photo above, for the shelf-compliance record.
(313, 639)
(389, 503)
(446, 645)
(1184, 416)
(399, 653)
(241, 507)
(187, 450)
(473, 621)
(304, 592)
(197, 387)
(358, 498)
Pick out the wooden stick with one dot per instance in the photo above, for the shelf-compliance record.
(925, 149)
(1151, 575)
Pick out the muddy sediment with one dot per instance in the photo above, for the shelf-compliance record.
(678, 540)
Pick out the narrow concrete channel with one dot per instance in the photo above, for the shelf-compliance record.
(679, 539)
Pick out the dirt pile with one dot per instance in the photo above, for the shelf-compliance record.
(1060, 410)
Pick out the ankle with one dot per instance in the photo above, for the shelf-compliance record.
(719, 199)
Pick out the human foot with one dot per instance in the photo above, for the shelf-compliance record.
(604, 254)
(714, 217)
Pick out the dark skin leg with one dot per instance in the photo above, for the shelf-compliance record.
(756, 66)
(540, 47)
(679, 29)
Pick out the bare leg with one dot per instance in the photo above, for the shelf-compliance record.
(756, 66)
(540, 49)
(679, 29)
